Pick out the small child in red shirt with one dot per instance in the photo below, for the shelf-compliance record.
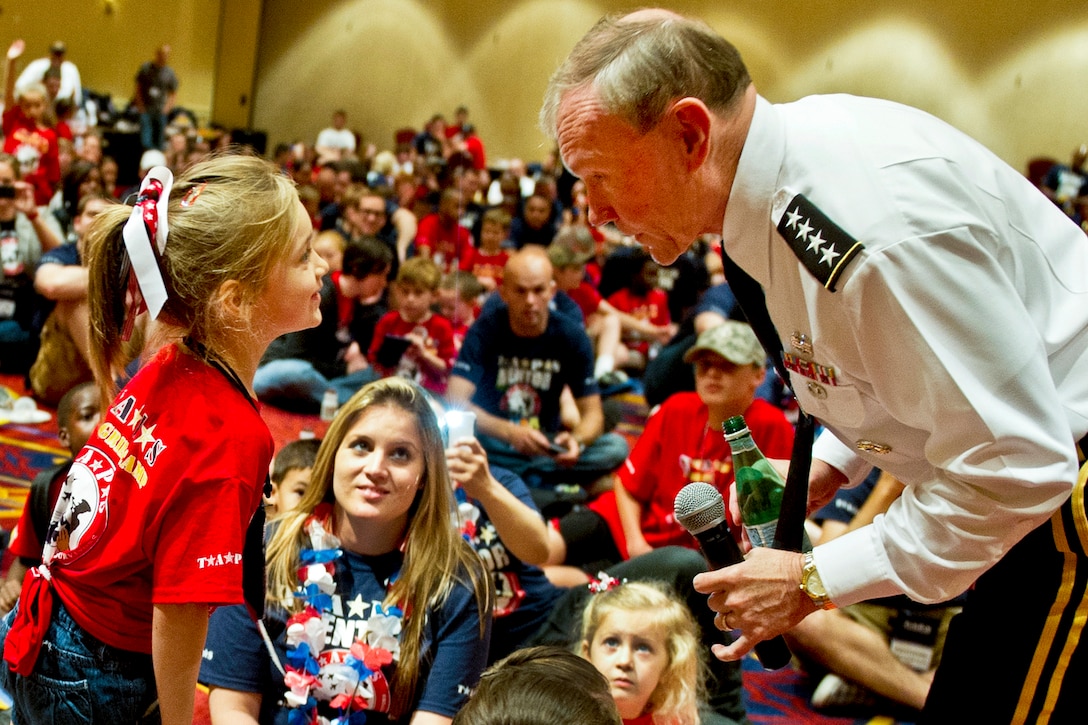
(428, 338)
(648, 305)
(487, 262)
(26, 137)
(458, 301)
(440, 235)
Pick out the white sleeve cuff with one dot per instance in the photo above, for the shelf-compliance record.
(837, 454)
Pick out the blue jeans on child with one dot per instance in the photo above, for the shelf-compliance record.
(79, 679)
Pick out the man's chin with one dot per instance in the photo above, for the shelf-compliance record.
(663, 251)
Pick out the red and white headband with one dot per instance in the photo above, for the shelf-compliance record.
(145, 235)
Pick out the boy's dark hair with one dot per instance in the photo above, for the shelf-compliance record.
(64, 407)
(540, 686)
(467, 286)
(296, 455)
(365, 256)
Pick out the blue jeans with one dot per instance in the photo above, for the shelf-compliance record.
(78, 679)
(152, 130)
(292, 381)
(601, 457)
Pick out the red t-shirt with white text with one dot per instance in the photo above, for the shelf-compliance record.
(157, 503)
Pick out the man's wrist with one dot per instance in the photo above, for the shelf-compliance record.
(32, 215)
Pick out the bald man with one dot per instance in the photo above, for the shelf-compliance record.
(512, 368)
(932, 310)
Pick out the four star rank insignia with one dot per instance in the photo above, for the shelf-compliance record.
(821, 245)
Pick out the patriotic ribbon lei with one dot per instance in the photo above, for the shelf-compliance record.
(309, 676)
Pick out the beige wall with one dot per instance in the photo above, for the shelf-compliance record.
(1009, 72)
(109, 39)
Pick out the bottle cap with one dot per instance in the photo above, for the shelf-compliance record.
(735, 427)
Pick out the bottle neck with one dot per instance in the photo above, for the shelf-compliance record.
(740, 441)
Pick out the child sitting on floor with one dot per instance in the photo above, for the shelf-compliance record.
(645, 642)
(428, 350)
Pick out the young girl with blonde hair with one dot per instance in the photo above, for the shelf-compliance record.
(646, 643)
(149, 529)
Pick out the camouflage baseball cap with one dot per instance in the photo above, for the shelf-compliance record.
(732, 340)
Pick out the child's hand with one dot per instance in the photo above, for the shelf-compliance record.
(354, 359)
(16, 48)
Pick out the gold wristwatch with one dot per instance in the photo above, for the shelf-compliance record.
(812, 585)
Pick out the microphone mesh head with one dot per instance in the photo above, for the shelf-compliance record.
(698, 506)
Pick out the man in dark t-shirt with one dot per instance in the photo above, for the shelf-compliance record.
(512, 369)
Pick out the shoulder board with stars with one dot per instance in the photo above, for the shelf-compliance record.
(821, 245)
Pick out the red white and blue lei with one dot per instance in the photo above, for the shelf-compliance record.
(344, 682)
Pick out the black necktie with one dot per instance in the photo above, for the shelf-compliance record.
(791, 518)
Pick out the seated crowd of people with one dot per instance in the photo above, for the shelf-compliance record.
(491, 294)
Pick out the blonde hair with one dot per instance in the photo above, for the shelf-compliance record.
(675, 700)
(238, 225)
(421, 272)
(436, 557)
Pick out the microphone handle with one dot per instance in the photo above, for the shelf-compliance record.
(720, 550)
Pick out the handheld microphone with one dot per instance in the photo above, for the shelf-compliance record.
(700, 509)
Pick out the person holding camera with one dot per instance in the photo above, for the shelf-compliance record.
(24, 235)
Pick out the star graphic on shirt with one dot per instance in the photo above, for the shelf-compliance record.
(829, 255)
(803, 229)
(794, 216)
(96, 465)
(357, 607)
(815, 241)
(136, 417)
(487, 534)
(147, 435)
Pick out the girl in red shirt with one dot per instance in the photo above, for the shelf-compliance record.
(149, 529)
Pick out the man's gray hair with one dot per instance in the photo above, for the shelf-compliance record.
(639, 66)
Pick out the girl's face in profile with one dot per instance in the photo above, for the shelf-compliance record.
(631, 651)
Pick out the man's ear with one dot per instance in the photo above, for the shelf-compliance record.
(63, 437)
(693, 121)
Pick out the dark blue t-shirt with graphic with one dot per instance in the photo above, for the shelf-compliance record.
(236, 658)
(523, 595)
(520, 378)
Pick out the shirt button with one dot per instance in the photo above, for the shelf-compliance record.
(817, 391)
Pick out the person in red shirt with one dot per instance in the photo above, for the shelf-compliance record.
(458, 301)
(647, 308)
(150, 526)
(429, 350)
(78, 414)
(486, 263)
(26, 137)
(682, 443)
(441, 237)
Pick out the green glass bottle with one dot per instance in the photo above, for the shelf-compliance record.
(759, 485)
